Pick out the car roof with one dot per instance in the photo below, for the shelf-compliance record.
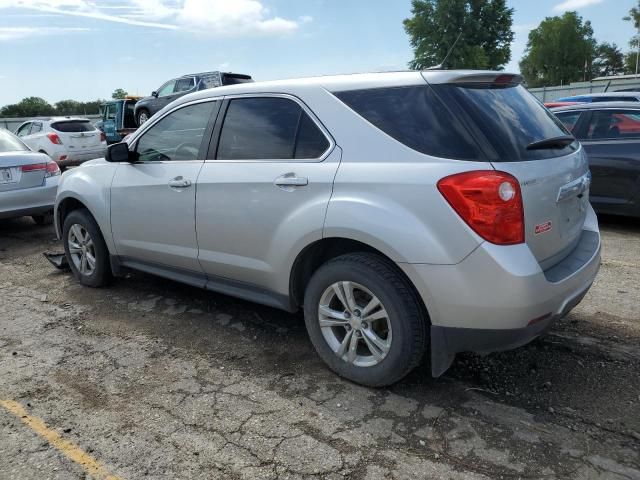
(598, 106)
(68, 119)
(345, 82)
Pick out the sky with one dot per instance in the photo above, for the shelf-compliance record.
(85, 49)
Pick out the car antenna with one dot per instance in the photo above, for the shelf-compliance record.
(441, 64)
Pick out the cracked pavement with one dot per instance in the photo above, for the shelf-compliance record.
(160, 380)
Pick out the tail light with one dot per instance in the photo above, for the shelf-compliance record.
(489, 202)
(34, 167)
(103, 137)
(52, 170)
(55, 139)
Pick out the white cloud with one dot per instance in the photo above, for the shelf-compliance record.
(18, 33)
(575, 5)
(212, 17)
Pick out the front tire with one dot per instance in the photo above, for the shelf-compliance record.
(364, 319)
(86, 251)
(142, 116)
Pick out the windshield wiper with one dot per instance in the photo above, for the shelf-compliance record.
(555, 142)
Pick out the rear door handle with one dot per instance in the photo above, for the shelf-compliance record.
(179, 182)
(290, 180)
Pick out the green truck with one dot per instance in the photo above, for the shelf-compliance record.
(118, 119)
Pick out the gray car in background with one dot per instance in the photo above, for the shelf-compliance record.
(610, 134)
(28, 180)
(407, 214)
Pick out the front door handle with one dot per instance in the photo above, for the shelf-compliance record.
(179, 182)
(290, 180)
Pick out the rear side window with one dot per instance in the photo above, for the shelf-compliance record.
(614, 125)
(509, 117)
(73, 126)
(267, 128)
(415, 117)
(10, 143)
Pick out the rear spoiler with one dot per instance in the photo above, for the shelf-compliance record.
(475, 78)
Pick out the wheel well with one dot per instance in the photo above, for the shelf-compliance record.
(67, 206)
(320, 252)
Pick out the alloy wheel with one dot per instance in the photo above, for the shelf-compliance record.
(81, 249)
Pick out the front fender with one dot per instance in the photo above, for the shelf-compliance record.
(89, 184)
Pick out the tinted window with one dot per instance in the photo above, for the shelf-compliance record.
(614, 124)
(510, 117)
(184, 84)
(614, 99)
(269, 128)
(74, 126)
(568, 119)
(177, 136)
(415, 117)
(9, 143)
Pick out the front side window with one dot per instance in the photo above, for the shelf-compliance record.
(178, 136)
(269, 128)
(166, 89)
(614, 125)
(24, 130)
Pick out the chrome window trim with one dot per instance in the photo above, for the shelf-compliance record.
(305, 108)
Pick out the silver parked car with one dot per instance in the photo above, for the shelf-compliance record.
(407, 213)
(28, 180)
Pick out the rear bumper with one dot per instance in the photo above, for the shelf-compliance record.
(29, 201)
(499, 298)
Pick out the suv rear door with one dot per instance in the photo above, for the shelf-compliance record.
(264, 190)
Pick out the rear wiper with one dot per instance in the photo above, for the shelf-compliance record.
(555, 142)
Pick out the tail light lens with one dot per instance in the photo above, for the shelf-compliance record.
(55, 139)
(103, 137)
(34, 167)
(52, 169)
(489, 202)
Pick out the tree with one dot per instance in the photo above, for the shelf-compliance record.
(67, 107)
(119, 94)
(559, 51)
(28, 107)
(631, 59)
(609, 60)
(484, 25)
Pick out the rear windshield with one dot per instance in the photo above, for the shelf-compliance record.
(415, 117)
(11, 143)
(73, 126)
(477, 122)
(510, 118)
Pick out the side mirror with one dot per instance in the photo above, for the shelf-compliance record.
(154, 94)
(118, 152)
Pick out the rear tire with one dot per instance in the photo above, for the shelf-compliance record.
(391, 338)
(85, 249)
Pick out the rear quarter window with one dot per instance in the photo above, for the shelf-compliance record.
(415, 117)
(73, 126)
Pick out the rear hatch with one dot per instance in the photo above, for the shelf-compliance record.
(77, 134)
(520, 137)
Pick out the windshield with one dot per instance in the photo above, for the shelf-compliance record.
(10, 143)
(510, 118)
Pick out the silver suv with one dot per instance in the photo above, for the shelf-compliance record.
(407, 213)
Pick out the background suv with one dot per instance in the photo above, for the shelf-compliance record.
(67, 141)
(406, 213)
(180, 86)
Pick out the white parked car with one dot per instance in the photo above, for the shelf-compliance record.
(68, 141)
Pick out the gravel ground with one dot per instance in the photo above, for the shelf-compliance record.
(158, 380)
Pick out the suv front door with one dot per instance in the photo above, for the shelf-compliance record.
(153, 199)
(264, 192)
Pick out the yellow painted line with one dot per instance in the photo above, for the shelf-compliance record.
(67, 448)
